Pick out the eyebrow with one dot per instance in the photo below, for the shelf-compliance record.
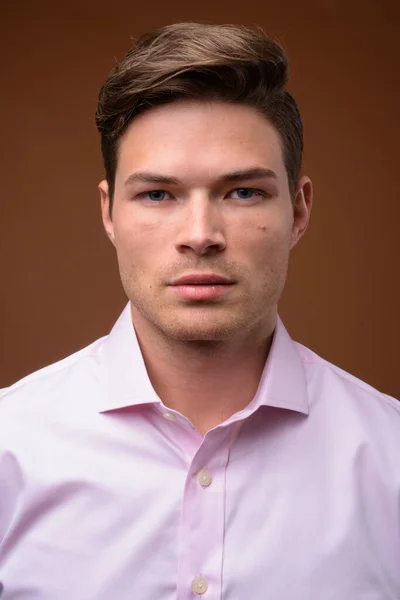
(248, 174)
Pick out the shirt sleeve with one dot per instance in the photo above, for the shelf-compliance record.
(11, 486)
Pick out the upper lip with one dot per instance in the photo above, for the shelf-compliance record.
(201, 278)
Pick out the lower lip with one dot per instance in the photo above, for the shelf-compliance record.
(202, 292)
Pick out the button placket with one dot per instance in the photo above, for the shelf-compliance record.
(203, 519)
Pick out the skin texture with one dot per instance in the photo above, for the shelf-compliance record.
(205, 357)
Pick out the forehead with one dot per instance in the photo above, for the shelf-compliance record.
(200, 136)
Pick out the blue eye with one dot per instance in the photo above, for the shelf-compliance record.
(247, 193)
(156, 195)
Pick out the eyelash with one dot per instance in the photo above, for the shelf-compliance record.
(256, 191)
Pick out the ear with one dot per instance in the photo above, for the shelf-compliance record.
(105, 210)
(301, 209)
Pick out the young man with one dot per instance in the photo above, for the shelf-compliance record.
(197, 451)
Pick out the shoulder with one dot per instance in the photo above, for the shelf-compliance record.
(354, 418)
(332, 379)
(353, 406)
(75, 368)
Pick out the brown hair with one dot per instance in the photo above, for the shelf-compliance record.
(229, 63)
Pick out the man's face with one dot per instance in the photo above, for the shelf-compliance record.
(201, 188)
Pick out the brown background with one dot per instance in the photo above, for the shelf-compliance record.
(60, 287)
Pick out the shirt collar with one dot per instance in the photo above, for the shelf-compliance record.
(125, 382)
(283, 381)
(123, 373)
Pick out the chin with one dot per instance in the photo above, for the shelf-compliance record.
(201, 330)
(198, 335)
(205, 324)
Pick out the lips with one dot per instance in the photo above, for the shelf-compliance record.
(196, 287)
(202, 279)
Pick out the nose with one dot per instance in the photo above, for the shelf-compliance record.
(201, 228)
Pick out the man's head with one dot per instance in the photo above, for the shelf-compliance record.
(229, 63)
(202, 148)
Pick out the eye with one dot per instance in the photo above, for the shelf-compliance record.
(247, 193)
(154, 195)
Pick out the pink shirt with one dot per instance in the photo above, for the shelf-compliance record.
(108, 495)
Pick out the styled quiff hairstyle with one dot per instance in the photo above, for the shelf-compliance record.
(229, 63)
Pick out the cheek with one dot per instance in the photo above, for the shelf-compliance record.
(265, 248)
(264, 235)
(275, 229)
(135, 236)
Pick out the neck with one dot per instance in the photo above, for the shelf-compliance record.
(207, 382)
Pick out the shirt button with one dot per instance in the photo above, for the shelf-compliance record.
(169, 416)
(204, 478)
(199, 585)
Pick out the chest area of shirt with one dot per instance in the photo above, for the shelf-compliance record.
(159, 518)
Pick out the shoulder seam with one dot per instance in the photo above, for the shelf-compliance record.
(56, 367)
(353, 380)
